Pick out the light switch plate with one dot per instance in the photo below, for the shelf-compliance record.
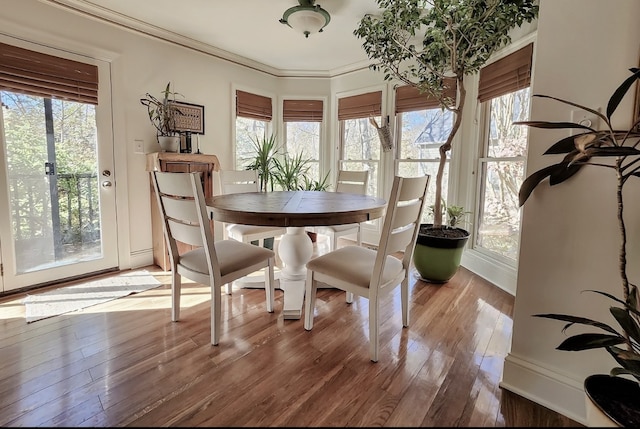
(138, 146)
(585, 118)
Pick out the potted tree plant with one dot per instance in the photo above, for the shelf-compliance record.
(617, 395)
(432, 45)
(162, 114)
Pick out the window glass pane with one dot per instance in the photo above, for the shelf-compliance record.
(414, 169)
(304, 137)
(247, 130)
(498, 220)
(361, 149)
(506, 139)
(499, 228)
(423, 132)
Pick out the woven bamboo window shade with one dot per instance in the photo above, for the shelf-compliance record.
(506, 75)
(302, 110)
(409, 98)
(253, 106)
(34, 73)
(360, 106)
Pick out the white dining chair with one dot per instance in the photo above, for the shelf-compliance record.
(233, 181)
(371, 273)
(181, 201)
(355, 182)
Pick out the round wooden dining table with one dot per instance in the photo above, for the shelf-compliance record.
(294, 210)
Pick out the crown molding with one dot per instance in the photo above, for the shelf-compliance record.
(101, 14)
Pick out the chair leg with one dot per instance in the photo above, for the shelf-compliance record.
(269, 287)
(309, 300)
(334, 242)
(404, 297)
(216, 308)
(373, 329)
(176, 286)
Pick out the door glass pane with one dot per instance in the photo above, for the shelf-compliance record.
(51, 149)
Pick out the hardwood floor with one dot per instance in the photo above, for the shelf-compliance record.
(124, 363)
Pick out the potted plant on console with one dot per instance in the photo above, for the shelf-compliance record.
(162, 113)
(456, 38)
(617, 395)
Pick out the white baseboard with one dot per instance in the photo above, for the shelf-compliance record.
(550, 389)
(498, 273)
(141, 258)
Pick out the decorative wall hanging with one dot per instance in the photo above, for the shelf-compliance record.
(384, 134)
(190, 118)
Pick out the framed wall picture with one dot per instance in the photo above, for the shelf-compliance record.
(190, 118)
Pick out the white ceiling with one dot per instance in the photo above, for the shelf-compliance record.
(245, 31)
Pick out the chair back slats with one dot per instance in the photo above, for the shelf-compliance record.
(179, 186)
(405, 215)
(181, 200)
(235, 181)
(399, 240)
(401, 222)
(181, 209)
(354, 182)
(186, 233)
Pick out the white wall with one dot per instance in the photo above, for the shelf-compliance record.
(141, 64)
(569, 234)
(583, 51)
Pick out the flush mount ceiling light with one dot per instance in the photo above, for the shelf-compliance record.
(308, 18)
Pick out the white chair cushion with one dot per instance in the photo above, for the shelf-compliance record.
(240, 230)
(354, 264)
(338, 228)
(232, 256)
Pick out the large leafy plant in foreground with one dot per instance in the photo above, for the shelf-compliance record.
(615, 150)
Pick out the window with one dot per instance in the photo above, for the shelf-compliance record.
(253, 121)
(302, 121)
(359, 141)
(504, 92)
(422, 127)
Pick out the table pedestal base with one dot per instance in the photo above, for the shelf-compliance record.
(295, 250)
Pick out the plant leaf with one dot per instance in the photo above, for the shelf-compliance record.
(562, 174)
(627, 323)
(554, 125)
(630, 361)
(589, 341)
(534, 179)
(613, 151)
(565, 145)
(570, 103)
(608, 295)
(620, 92)
(579, 320)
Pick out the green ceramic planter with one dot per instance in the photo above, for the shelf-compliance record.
(437, 259)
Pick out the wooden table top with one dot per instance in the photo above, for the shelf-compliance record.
(295, 208)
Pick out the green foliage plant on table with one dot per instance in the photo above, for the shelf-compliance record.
(163, 111)
(266, 149)
(616, 151)
(429, 44)
(290, 170)
(308, 184)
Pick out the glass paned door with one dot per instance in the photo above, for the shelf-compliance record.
(59, 220)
